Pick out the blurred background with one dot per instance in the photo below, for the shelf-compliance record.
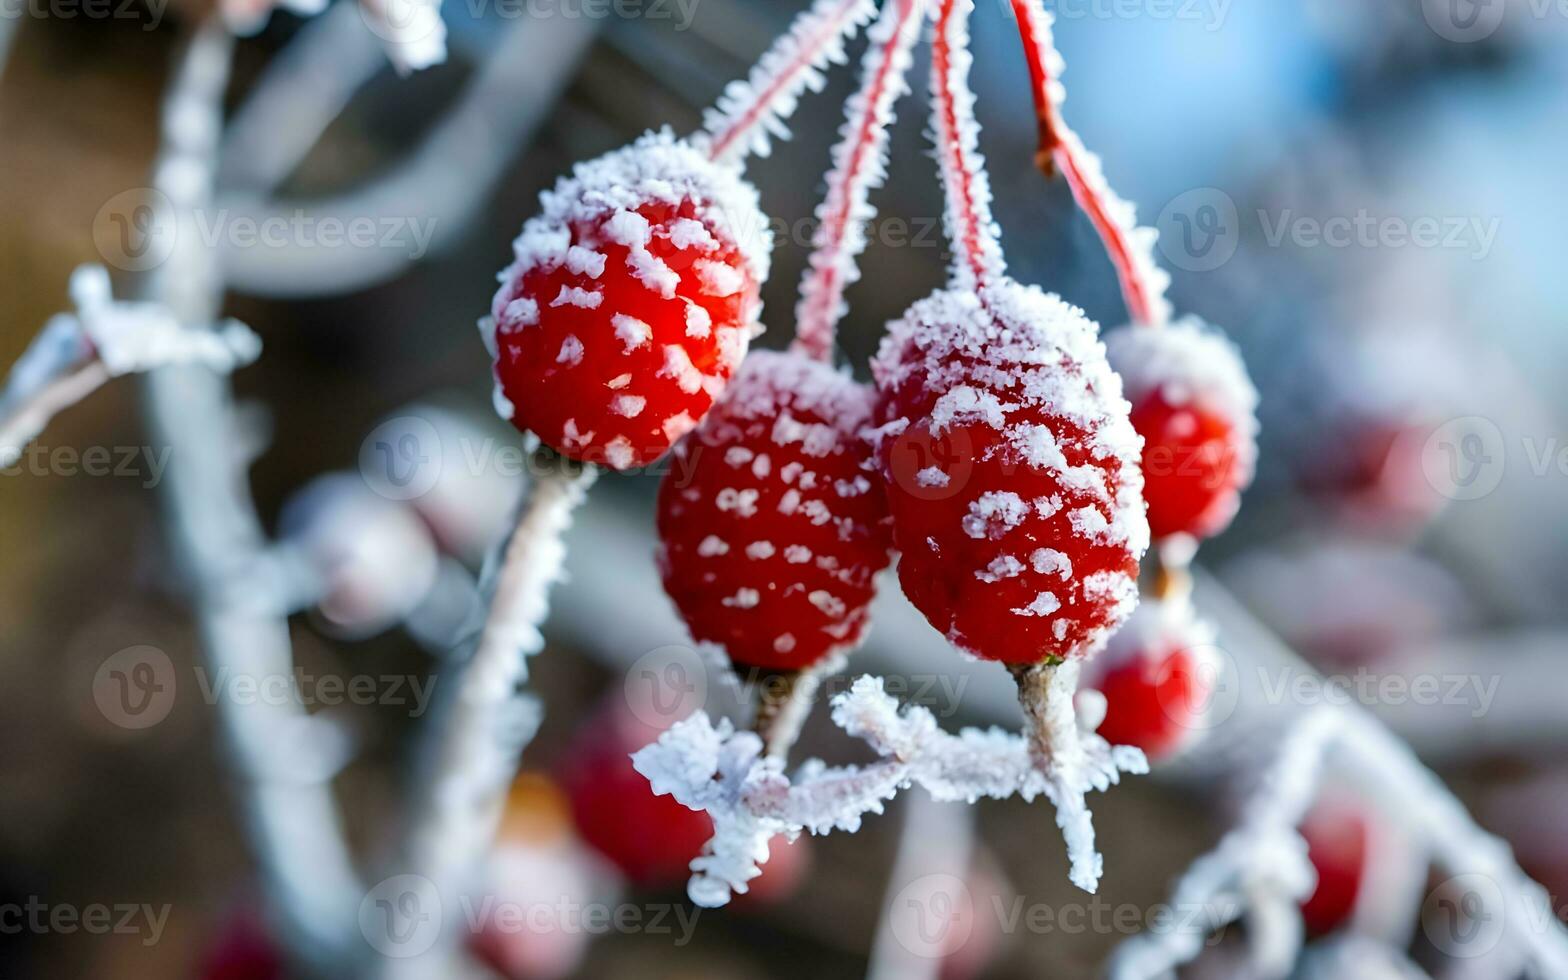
(1367, 197)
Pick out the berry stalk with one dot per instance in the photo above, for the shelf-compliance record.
(970, 225)
(859, 165)
(752, 111)
(1130, 248)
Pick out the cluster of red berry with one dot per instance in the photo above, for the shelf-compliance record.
(621, 332)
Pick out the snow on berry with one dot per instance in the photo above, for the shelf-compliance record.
(1197, 412)
(1029, 551)
(772, 526)
(632, 299)
(1156, 675)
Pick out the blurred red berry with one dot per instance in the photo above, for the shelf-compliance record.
(244, 950)
(1157, 675)
(772, 523)
(651, 839)
(1195, 407)
(1020, 522)
(630, 304)
(1337, 845)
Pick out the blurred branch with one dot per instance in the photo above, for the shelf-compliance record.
(445, 181)
(303, 89)
(936, 846)
(291, 818)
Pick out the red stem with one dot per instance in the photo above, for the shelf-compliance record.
(969, 208)
(1060, 147)
(723, 142)
(831, 266)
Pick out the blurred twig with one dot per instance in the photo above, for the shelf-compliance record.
(292, 820)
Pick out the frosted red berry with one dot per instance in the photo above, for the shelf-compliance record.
(1157, 675)
(1019, 519)
(772, 522)
(1194, 406)
(630, 304)
(651, 839)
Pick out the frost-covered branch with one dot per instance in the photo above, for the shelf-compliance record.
(276, 747)
(1131, 248)
(859, 165)
(105, 338)
(752, 800)
(751, 113)
(970, 225)
(483, 722)
(1259, 863)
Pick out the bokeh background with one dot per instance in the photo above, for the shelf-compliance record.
(1408, 518)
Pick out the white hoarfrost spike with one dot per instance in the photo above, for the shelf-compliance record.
(859, 165)
(751, 112)
(970, 225)
(105, 338)
(1131, 247)
(751, 799)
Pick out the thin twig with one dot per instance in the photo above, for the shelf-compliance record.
(21, 424)
(482, 723)
(1130, 248)
(859, 164)
(970, 226)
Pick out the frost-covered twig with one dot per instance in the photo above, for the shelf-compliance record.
(105, 338)
(752, 800)
(1261, 859)
(290, 816)
(859, 165)
(1131, 247)
(970, 225)
(483, 722)
(785, 699)
(751, 113)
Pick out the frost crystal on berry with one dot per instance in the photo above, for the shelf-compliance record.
(1195, 407)
(631, 302)
(772, 529)
(1022, 530)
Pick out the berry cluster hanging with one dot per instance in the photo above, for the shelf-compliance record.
(995, 454)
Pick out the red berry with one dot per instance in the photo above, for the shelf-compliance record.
(631, 302)
(1337, 835)
(1156, 675)
(1011, 473)
(772, 523)
(244, 950)
(1195, 408)
(651, 839)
